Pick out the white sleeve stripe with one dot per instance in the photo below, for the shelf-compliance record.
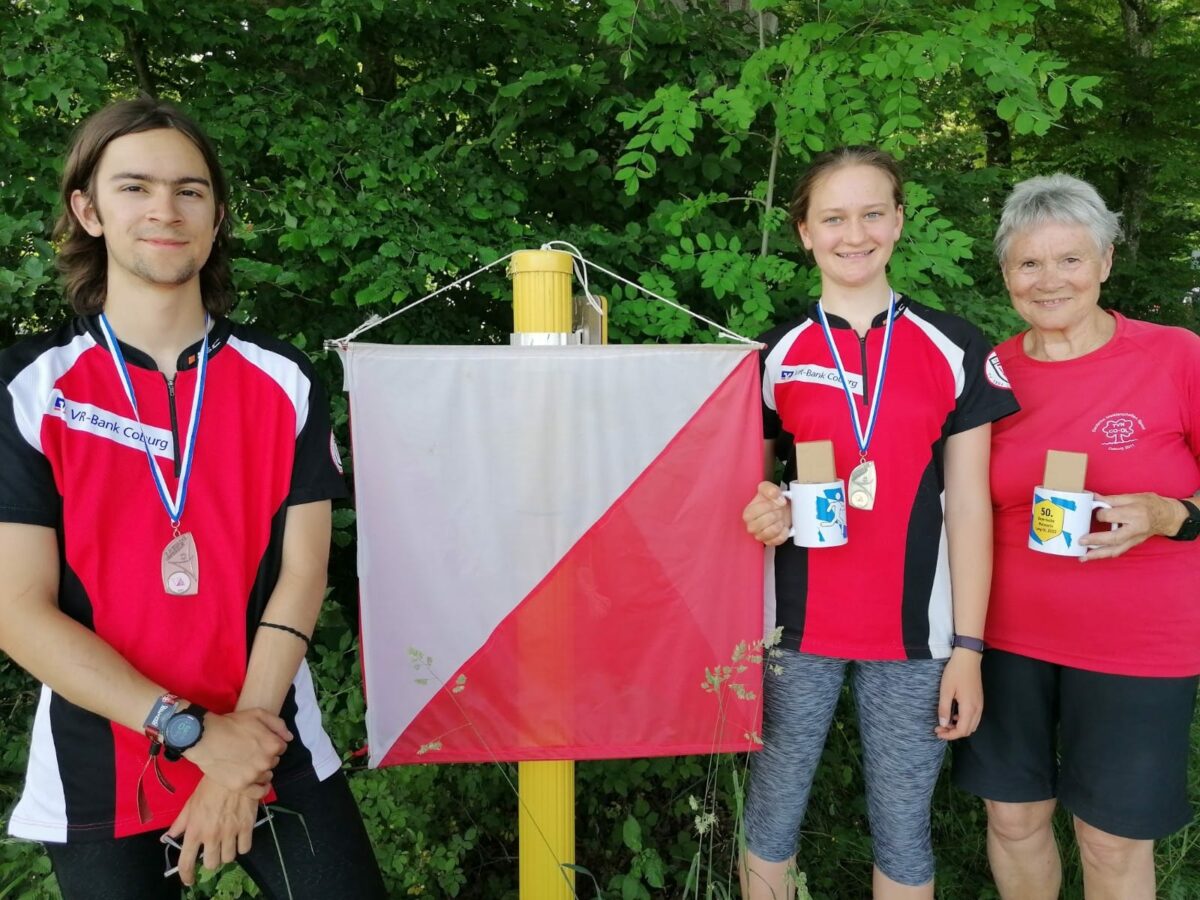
(775, 362)
(31, 390)
(951, 352)
(285, 373)
(325, 759)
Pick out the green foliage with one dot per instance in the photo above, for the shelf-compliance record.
(380, 149)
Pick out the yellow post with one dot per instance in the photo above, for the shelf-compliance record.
(542, 310)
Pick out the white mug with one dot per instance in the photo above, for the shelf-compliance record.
(818, 513)
(1060, 519)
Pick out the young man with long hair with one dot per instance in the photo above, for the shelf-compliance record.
(164, 537)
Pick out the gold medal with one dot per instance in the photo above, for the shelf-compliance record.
(862, 485)
(180, 566)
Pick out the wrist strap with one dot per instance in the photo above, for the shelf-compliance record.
(300, 634)
(1190, 529)
(969, 643)
(145, 814)
(164, 707)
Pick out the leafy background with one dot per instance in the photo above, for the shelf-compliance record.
(381, 148)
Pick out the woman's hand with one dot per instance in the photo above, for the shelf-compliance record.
(768, 516)
(217, 824)
(241, 749)
(1137, 517)
(960, 701)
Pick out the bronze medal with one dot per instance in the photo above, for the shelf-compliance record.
(180, 566)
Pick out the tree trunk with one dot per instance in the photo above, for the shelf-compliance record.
(769, 22)
(997, 136)
(1135, 176)
(137, 55)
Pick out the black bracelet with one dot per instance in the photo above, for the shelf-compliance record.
(300, 634)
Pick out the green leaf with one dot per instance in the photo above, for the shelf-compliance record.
(1007, 108)
(1057, 93)
(631, 834)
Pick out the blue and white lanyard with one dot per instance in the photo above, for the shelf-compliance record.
(173, 505)
(862, 435)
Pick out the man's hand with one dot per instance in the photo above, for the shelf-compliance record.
(216, 822)
(960, 701)
(1138, 517)
(240, 750)
(768, 516)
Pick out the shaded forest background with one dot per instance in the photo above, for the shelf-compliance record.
(381, 149)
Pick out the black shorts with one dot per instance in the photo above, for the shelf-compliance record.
(1112, 748)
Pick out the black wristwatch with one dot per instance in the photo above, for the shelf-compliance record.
(183, 731)
(1190, 529)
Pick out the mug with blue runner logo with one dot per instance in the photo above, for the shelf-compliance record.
(818, 513)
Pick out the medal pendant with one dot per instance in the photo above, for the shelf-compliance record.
(862, 485)
(180, 567)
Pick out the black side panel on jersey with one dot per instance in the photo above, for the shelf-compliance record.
(83, 740)
(28, 494)
(771, 422)
(920, 560)
(83, 743)
(296, 757)
(295, 766)
(791, 581)
(72, 597)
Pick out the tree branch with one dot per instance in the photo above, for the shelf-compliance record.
(137, 54)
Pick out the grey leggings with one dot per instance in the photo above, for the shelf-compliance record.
(897, 712)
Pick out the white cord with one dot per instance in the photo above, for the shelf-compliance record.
(695, 315)
(578, 264)
(377, 319)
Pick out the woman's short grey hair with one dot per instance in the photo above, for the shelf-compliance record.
(1056, 198)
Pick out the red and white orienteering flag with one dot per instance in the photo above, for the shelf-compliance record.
(551, 552)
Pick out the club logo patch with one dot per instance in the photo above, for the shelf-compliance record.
(1119, 431)
(335, 454)
(995, 373)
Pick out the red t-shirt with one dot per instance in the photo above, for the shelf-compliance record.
(1133, 406)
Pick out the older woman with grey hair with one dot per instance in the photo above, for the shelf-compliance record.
(1091, 670)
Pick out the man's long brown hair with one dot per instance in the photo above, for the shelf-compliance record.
(83, 259)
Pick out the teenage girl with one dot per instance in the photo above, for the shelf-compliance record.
(906, 395)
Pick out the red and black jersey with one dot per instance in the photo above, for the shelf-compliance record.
(71, 450)
(886, 593)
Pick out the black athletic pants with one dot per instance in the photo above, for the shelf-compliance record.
(339, 863)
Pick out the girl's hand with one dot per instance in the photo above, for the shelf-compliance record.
(768, 516)
(960, 702)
